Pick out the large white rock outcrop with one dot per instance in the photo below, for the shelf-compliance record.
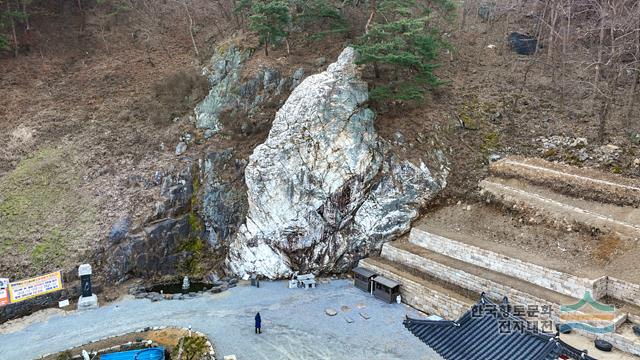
(322, 189)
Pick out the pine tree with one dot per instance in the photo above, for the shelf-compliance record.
(270, 19)
(399, 36)
(323, 14)
(9, 17)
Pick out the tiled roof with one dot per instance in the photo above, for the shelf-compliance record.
(478, 337)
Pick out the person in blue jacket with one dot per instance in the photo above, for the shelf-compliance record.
(258, 324)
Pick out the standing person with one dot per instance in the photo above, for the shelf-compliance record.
(258, 324)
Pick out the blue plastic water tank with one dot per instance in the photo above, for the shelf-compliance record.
(156, 353)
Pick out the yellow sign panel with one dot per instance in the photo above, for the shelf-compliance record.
(26, 289)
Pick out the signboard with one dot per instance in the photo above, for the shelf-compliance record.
(4, 292)
(4, 297)
(26, 289)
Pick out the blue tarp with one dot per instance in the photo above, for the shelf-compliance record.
(156, 353)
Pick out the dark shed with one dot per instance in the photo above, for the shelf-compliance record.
(362, 278)
(385, 289)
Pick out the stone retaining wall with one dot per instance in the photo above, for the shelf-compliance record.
(434, 302)
(623, 290)
(492, 290)
(421, 297)
(580, 182)
(618, 341)
(547, 278)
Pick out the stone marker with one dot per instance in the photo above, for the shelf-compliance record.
(330, 312)
(348, 319)
(365, 315)
(88, 300)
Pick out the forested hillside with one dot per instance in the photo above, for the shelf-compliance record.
(97, 97)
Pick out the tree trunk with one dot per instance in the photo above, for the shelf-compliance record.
(266, 46)
(636, 77)
(538, 27)
(193, 40)
(596, 80)
(374, 10)
(613, 74)
(463, 20)
(563, 71)
(602, 118)
(552, 31)
(13, 30)
(605, 108)
(26, 16)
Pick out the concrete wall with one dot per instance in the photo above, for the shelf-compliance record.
(623, 290)
(547, 278)
(421, 297)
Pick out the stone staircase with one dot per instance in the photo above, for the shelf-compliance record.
(442, 273)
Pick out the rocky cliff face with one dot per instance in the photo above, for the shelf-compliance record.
(201, 207)
(228, 92)
(323, 189)
(320, 193)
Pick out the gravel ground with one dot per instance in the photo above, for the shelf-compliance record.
(295, 325)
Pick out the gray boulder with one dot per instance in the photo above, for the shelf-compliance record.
(119, 230)
(181, 148)
(323, 189)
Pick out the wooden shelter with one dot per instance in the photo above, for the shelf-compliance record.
(385, 289)
(362, 278)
